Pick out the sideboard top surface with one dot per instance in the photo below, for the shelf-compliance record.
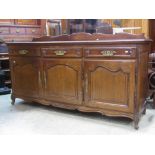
(86, 38)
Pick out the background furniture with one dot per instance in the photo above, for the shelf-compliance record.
(105, 29)
(151, 77)
(82, 25)
(3, 88)
(21, 29)
(151, 71)
(143, 23)
(89, 26)
(4, 66)
(5, 80)
(54, 27)
(108, 76)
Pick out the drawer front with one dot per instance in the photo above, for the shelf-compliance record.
(33, 31)
(17, 30)
(123, 52)
(4, 30)
(62, 52)
(24, 51)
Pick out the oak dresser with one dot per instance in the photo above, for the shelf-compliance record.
(102, 73)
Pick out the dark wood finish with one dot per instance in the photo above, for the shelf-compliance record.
(118, 79)
(68, 52)
(63, 81)
(87, 36)
(26, 77)
(126, 52)
(26, 51)
(108, 76)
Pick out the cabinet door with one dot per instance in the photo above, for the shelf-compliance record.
(26, 76)
(110, 84)
(63, 80)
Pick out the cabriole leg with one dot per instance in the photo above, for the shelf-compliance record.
(136, 121)
(144, 111)
(13, 99)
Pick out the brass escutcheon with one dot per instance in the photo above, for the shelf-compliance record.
(33, 30)
(108, 53)
(23, 52)
(60, 53)
(17, 30)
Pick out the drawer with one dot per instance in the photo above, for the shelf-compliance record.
(17, 30)
(25, 51)
(33, 31)
(62, 52)
(123, 52)
(4, 30)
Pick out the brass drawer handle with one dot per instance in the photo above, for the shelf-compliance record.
(17, 30)
(23, 52)
(108, 53)
(33, 31)
(60, 53)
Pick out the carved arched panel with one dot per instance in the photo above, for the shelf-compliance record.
(63, 80)
(108, 85)
(60, 82)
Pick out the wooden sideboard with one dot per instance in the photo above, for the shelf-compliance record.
(88, 72)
